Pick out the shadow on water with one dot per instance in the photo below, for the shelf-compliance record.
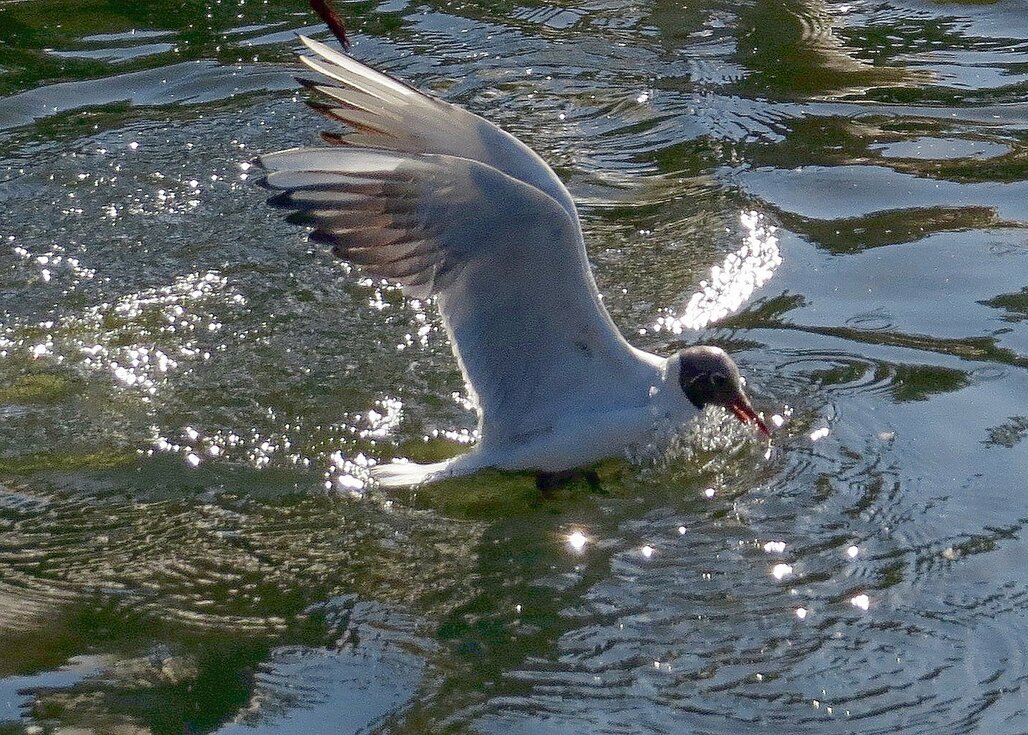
(190, 395)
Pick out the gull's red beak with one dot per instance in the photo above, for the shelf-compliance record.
(743, 411)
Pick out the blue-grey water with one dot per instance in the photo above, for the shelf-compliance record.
(190, 394)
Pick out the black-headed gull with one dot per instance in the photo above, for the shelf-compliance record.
(435, 198)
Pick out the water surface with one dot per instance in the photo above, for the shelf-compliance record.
(190, 394)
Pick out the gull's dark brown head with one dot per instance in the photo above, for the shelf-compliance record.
(708, 376)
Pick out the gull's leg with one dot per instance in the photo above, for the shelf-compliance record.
(594, 482)
(547, 482)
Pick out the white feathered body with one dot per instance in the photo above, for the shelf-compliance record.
(578, 438)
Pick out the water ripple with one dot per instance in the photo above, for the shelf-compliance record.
(191, 395)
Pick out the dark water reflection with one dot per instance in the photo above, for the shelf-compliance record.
(189, 392)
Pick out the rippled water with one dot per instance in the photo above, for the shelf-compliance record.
(190, 393)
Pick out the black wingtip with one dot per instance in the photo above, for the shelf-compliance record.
(282, 200)
(258, 162)
(305, 219)
(307, 83)
(335, 138)
(323, 108)
(322, 238)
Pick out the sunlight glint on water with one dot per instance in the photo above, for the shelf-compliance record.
(191, 394)
(732, 283)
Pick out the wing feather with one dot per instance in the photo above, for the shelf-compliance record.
(383, 112)
(442, 202)
(505, 260)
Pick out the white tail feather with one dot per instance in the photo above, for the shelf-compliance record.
(406, 474)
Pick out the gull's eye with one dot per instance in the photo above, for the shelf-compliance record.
(718, 380)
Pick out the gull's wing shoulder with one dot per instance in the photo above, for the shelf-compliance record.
(504, 259)
(383, 112)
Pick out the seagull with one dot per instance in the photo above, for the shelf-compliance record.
(432, 197)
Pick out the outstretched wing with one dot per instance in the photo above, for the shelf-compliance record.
(505, 260)
(383, 112)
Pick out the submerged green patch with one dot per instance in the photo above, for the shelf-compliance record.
(50, 461)
(35, 388)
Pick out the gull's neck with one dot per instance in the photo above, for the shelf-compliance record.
(668, 401)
